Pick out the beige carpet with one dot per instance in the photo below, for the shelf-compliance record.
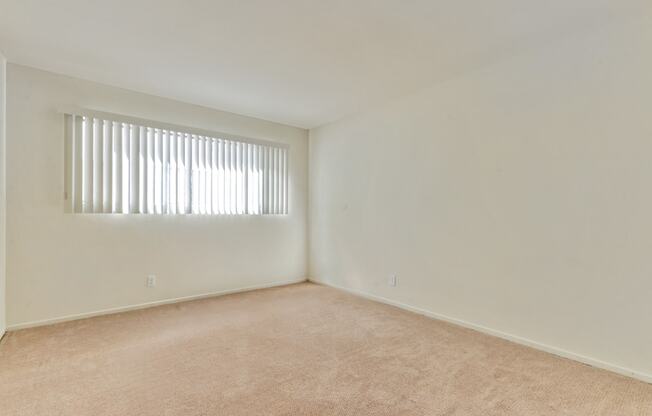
(297, 350)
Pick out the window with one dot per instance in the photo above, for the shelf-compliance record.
(133, 166)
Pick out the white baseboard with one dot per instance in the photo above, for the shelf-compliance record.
(647, 378)
(50, 321)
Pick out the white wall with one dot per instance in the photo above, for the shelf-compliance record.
(3, 89)
(517, 197)
(64, 264)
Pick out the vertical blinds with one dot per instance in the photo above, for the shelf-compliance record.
(118, 167)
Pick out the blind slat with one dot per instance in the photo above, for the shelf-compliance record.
(187, 197)
(201, 174)
(286, 194)
(222, 176)
(117, 167)
(234, 178)
(208, 173)
(165, 167)
(98, 171)
(245, 170)
(107, 164)
(150, 172)
(227, 178)
(142, 170)
(260, 180)
(134, 169)
(265, 164)
(283, 187)
(239, 177)
(214, 178)
(194, 179)
(158, 173)
(173, 173)
(87, 176)
(276, 177)
(78, 157)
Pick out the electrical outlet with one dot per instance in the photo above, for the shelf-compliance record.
(392, 280)
(151, 280)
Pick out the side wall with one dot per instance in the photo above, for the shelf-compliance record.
(3, 199)
(516, 199)
(66, 264)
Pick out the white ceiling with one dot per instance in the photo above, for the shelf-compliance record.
(298, 62)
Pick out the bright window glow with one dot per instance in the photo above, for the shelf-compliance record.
(117, 167)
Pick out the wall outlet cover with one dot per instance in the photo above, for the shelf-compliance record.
(151, 280)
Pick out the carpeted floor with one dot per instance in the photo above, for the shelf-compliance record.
(298, 350)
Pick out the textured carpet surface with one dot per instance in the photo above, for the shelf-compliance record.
(297, 350)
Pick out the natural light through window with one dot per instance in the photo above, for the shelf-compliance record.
(120, 167)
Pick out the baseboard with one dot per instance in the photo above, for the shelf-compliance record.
(647, 378)
(50, 321)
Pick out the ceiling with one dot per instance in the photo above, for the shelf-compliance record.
(298, 62)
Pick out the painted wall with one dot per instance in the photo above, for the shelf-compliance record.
(65, 264)
(517, 197)
(3, 199)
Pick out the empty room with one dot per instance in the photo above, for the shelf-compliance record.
(301, 207)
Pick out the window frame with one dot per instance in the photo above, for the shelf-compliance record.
(70, 159)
